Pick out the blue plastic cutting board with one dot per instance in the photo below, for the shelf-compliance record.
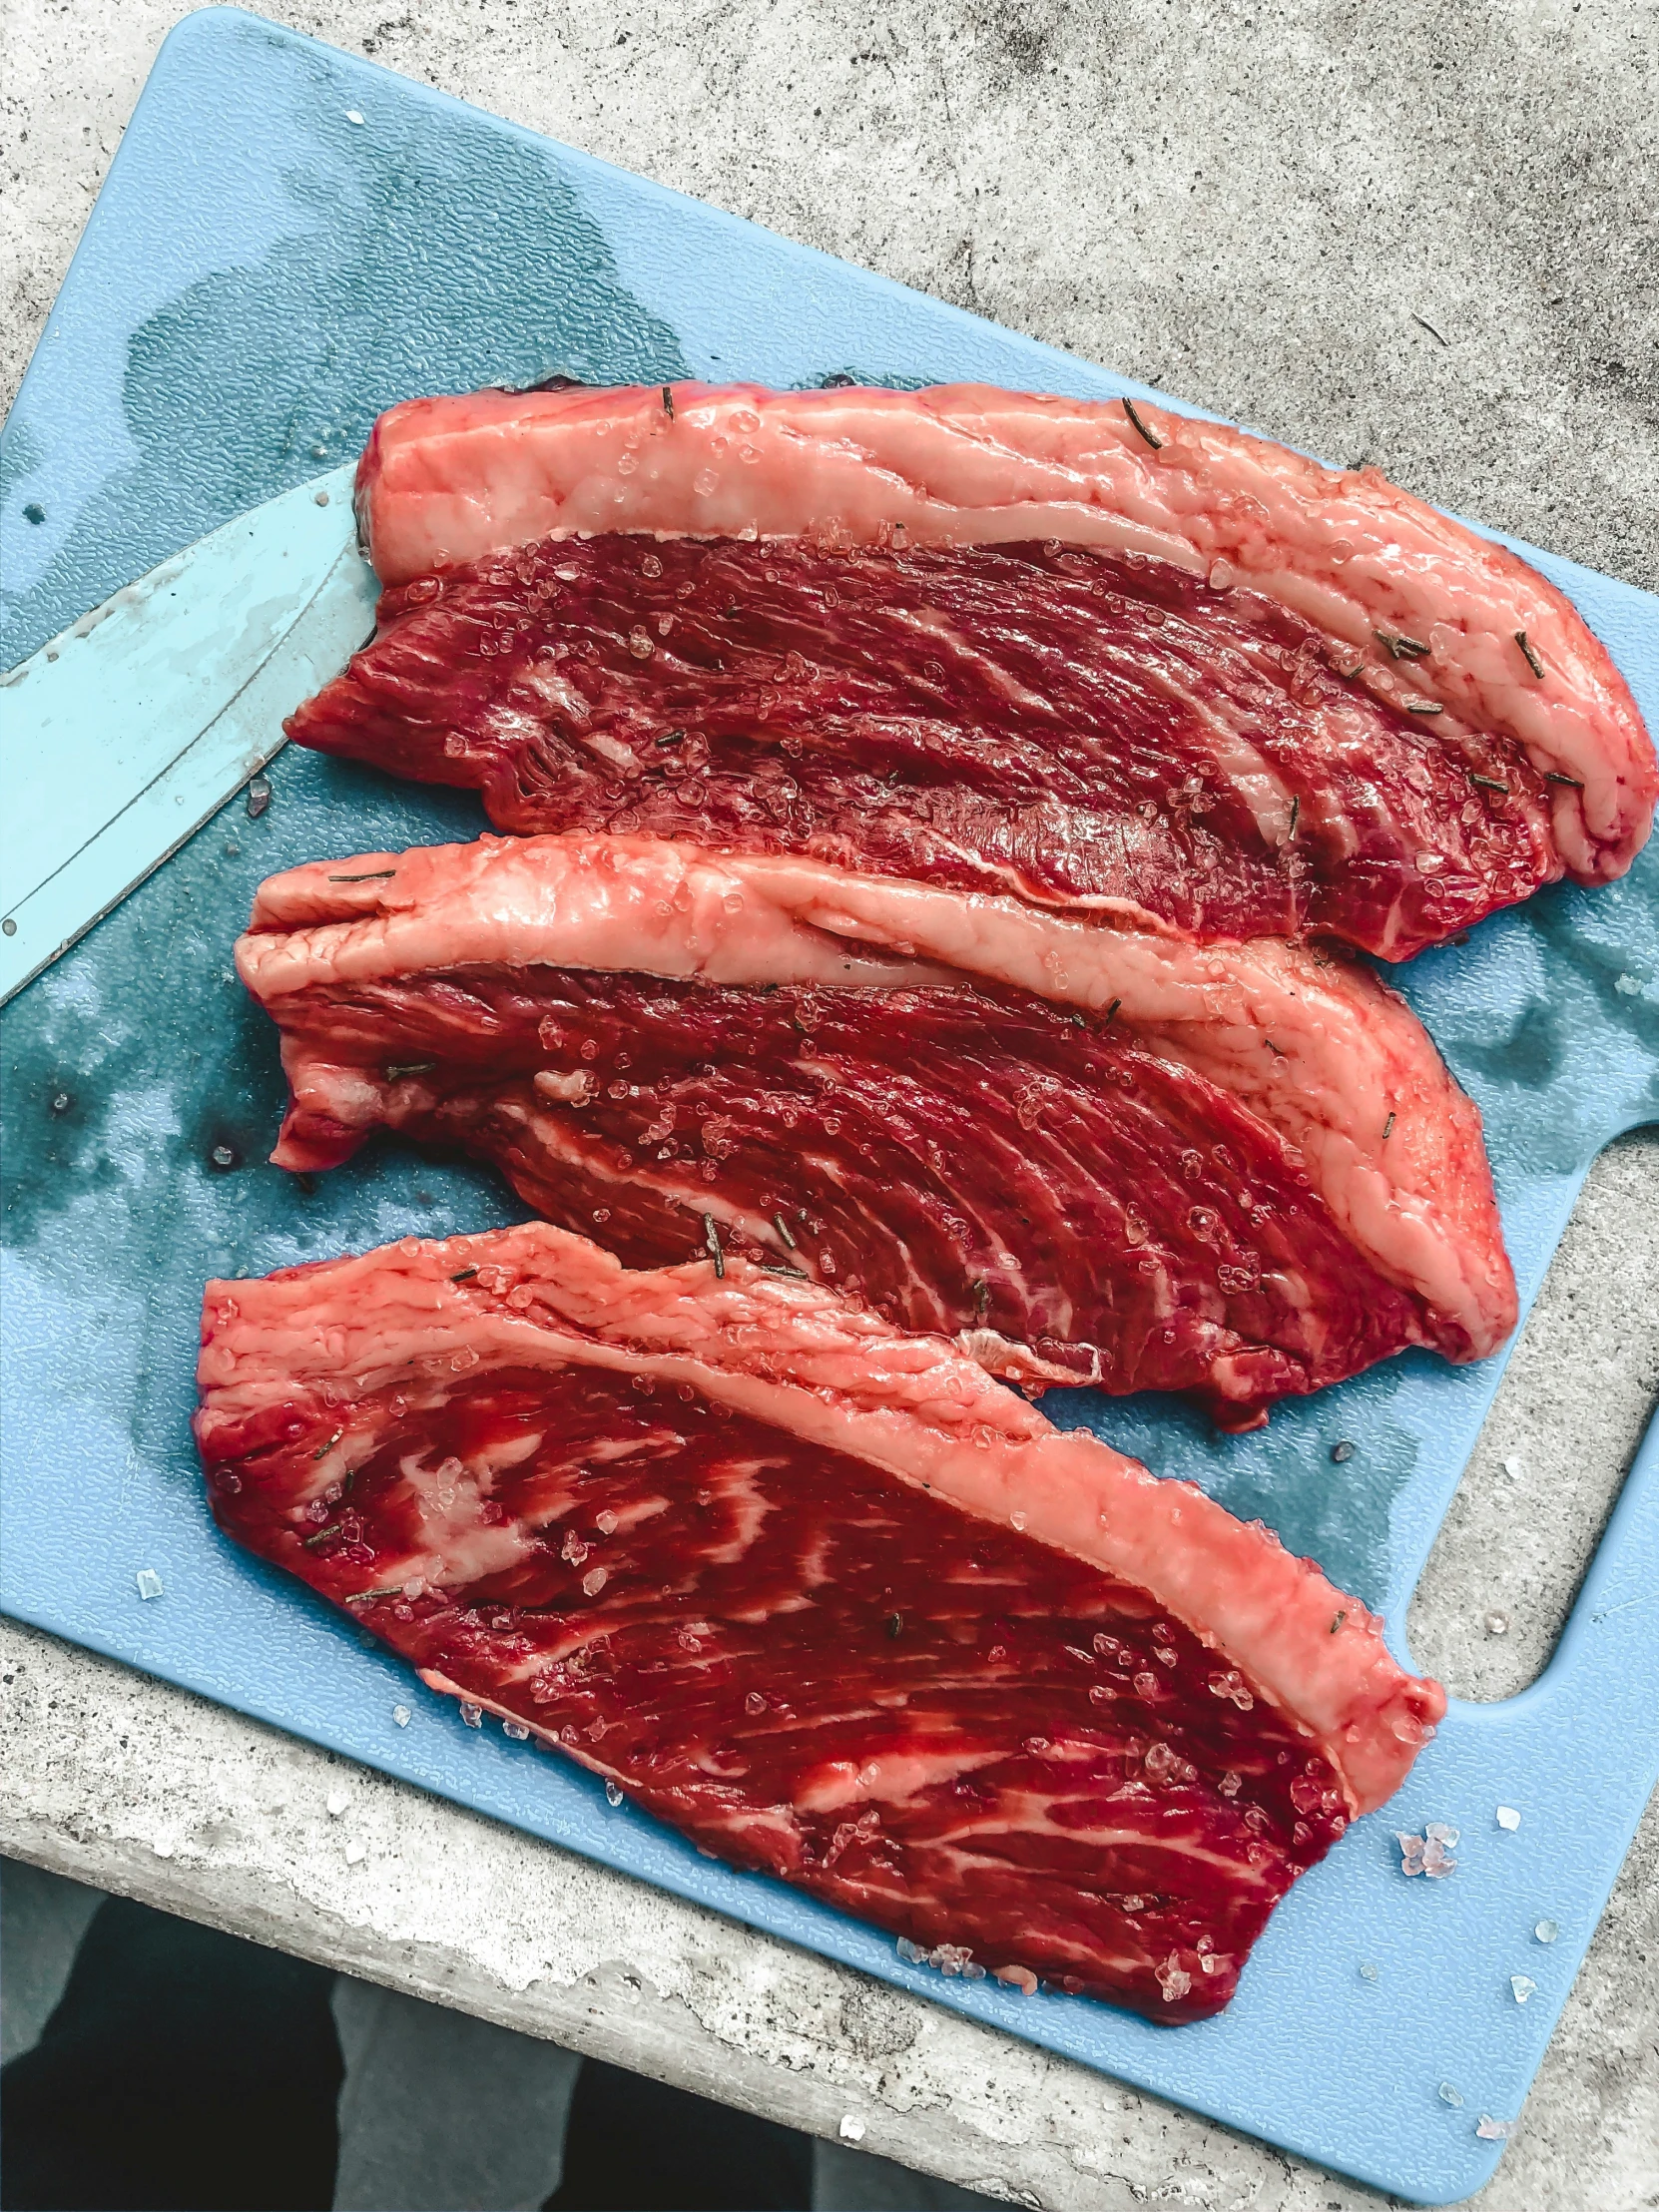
(260, 275)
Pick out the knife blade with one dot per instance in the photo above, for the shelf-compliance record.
(122, 735)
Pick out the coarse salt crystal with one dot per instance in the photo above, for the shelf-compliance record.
(1524, 1986)
(355, 1853)
(1173, 1979)
(1492, 2131)
(337, 1802)
(1428, 1854)
(1508, 1818)
(1368, 1972)
(1449, 2095)
(851, 2129)
(613, 1792)
(148, 1582)
(1495, 1624)
(911, 1953)
(402, 1716)
(474, 1714)
(516, 1729)
(351, 115)
(1546, 1931)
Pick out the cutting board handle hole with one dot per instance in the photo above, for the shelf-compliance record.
(1512, 1551)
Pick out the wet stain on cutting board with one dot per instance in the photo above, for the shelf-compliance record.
(417, 262)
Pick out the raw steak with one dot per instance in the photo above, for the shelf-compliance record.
(1092, 1154)
(990, 640)
(822, 1595)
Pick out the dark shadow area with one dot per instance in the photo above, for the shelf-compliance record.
(181, 2069)
(634, 2145)
(184, 2070)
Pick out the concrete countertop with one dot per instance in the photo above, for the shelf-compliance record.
(1418, 233)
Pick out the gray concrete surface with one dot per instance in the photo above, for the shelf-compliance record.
(1419, 232)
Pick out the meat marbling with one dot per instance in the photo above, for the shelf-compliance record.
(1092, 1154)
(1149, 666)
(820, 1594)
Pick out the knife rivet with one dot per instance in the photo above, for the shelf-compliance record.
(8, 927)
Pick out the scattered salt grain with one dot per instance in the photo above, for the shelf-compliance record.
(148, 1582)
(911, 1953)
(1173, 1979)
(258, 796)
(1524, 1986)
(1341, 1452)
(1368, 1972)
(1628, 987)
(1508, 1818)
(1512, 1468)
(516, 1729)
(402, 1716)
(355, 1853)
(1546, 1931)
(1495, 1624)
(337, 1802)
(1449, 2095)
(351, 115)
(613, 1793)
(1429, 1852)
(474, 1714)
(1492, 2131)
(851, 2130)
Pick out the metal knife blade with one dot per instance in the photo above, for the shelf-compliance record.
(124, 734)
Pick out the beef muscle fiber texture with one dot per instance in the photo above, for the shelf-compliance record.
(1089, 1154)
(823, 1595)
(992, 640)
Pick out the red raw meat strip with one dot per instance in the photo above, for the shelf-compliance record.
(1092, 1156)
(822, 1595)
(989, 640)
